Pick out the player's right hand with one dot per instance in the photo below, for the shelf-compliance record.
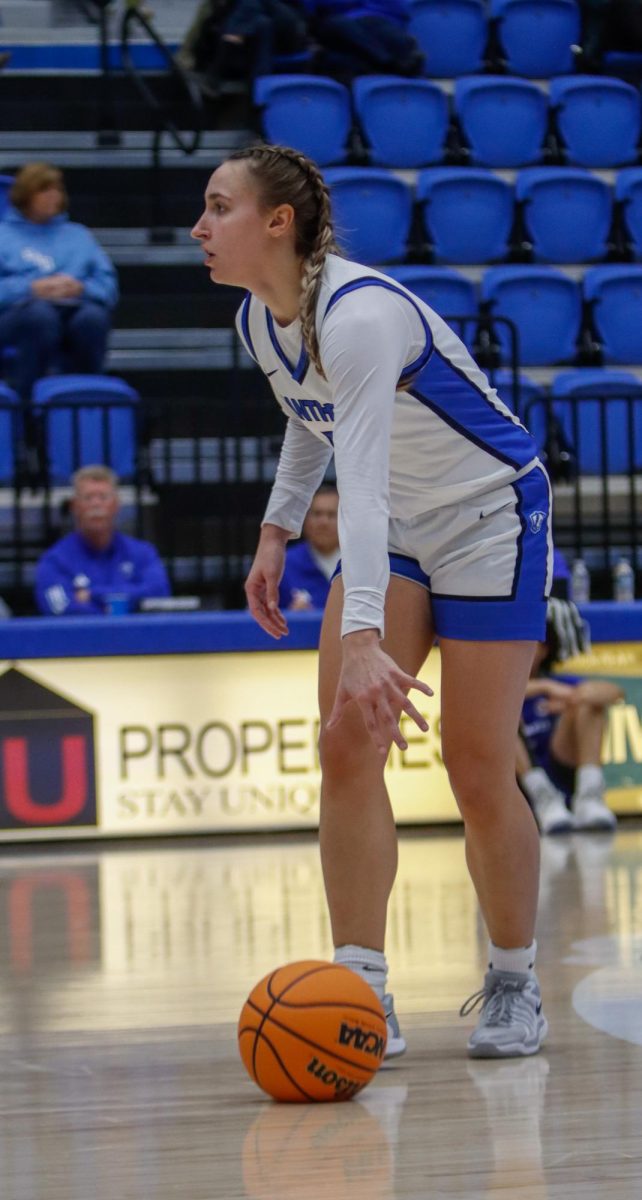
(262, 583)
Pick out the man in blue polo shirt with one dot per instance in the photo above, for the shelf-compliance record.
(96, 569)
(310, 563)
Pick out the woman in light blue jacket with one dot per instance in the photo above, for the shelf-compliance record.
(57, 286)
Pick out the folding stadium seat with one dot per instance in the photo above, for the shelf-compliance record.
(452, 35)
(544, 305)
(628, 193)
(598, 119)
(309, 112)
(87, 419)
(600, 411)
(10, 421)
(615, 294)
(467, 213)
(447, 292)
(6, 182)
(536, 36)
(372, 212)
(504, 121)
(567, 213)
(404, 121)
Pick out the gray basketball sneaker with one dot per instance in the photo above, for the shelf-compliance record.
(396, 1044)
(511, 1022)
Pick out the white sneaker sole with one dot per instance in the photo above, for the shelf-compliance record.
(395, 1047)
(510, 1049)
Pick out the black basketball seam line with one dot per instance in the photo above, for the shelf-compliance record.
(315, 1004)
(283, 1067)
(269, 980)
(315, 970)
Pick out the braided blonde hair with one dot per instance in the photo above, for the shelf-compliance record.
(285, 176)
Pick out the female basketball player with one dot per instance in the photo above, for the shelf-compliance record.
(444, 527)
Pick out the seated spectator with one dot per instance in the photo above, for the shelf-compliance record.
(310, 563)
(360, 37)
(5, 611)
(559, 764)
(57, 286)
(96, 569)
(242, 38)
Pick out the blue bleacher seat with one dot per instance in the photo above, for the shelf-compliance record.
(504, 121)
(372, 211)
(467, 213)
(452, 35)
(87, 419)
(615, 293)
(628, 193)
(536, 36)
(447, 292)
(6, 182)
(598, 119)
(310, 112)
(545, 306)
(599, 429)
(567, 213)
(404, 121)
(10, 423)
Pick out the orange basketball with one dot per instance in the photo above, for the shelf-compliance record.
(312, 1031)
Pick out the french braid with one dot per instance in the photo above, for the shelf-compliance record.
(285, 176)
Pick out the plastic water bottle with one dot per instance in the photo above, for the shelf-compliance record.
(580, 582)
(623, 582)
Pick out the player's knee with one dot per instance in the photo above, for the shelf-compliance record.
(344, 752)
(479, 780)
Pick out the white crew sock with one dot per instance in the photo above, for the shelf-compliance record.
(589, 779)
(520, 960)
(536, 783)
(371, 965)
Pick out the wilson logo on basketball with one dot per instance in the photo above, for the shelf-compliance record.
(362, 1039)
(47, 771)
(344, 1088)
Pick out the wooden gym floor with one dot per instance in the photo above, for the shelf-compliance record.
(124, 969)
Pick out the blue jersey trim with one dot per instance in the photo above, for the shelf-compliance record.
(400, 564)
(245, 325)
(297, 372)
(419, 363)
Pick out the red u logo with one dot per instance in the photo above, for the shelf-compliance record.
(74, 782)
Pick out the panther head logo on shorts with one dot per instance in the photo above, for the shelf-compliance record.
(536, 520)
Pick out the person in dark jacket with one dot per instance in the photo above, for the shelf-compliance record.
(57, 286)
(96, 569)
(243, 37)
(365, 36)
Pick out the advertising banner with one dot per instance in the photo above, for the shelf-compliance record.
(126, 746)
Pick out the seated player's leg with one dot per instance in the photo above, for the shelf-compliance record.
(577, 743)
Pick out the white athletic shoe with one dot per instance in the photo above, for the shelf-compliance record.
(396, 1044)
(511, 1023)
(591, 812)
(551, 812)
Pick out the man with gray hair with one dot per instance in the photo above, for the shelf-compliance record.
(96, 569)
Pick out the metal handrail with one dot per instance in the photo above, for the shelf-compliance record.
(133, 15)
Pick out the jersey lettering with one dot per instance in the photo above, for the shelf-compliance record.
(310, 410)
